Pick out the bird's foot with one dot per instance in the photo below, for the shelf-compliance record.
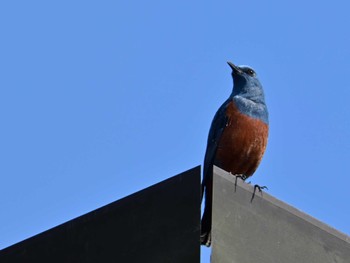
(242, 176)
(260, 188)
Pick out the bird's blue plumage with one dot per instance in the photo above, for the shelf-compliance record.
(248, 94)
(217, 127)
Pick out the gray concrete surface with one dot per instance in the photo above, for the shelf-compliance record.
(268, 230)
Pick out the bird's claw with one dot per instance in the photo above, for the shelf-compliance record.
(260, 188)
(242, 176)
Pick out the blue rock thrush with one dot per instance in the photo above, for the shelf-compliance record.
(237, 138)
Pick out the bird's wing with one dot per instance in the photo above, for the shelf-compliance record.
(217, 127)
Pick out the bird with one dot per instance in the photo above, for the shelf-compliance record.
(237, 137)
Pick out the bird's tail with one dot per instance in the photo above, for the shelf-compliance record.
(206, 219)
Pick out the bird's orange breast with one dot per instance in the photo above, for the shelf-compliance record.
(242, 143)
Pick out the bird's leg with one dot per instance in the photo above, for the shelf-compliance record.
(260, 188)
(242, 176)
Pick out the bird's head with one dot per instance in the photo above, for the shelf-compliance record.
(246, 82)
(242, 71)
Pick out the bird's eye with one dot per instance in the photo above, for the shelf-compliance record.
(250, 72)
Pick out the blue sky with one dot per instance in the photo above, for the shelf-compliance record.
(99, 99)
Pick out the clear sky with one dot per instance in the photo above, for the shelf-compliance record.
(99, 99)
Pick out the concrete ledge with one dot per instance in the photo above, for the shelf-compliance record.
(266, 229)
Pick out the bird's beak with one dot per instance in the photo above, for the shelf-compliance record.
(234, 68)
